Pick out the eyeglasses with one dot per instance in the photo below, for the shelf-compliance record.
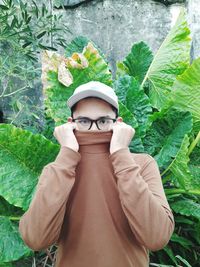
(102, 123)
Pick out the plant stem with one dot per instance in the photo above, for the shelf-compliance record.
(182, 191)
(165, 171)
(11, 218)
(21, 89)
(194, 143)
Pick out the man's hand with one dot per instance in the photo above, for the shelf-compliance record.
(65, 135)
(122, 136)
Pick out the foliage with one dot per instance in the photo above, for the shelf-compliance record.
(157, 96)
(26, 29)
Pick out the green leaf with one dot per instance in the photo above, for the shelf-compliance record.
(12, 246)
(44, 10)
(194, 156)
(135, 145)
(77, 45)
(138, 61)
(8, 210)
(56, 94)
(14, 22)
(128, 116)
(165, 136)
(195, 171)
(121, 69)
(26, 44)
(36, 10)
(22, 5)
(133, 97)
(160, 265)
(41, 34)
(22, 158)
(183, 260)
(183, 220)
(170, 253)
(180, 125)
(187, 207)
(181, 240)
(179, 166)
(47, 47)
(196, 232)
(171, 60)
(186, 92)
(28, 19)
(4, 7)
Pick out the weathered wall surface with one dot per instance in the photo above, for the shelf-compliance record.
(114, 25)
(193, 13)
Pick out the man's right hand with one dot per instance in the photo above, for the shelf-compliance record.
(65, 135)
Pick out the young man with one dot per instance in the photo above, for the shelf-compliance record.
(101, 204)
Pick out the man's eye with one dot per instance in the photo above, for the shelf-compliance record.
(83, 121)
(103, 121)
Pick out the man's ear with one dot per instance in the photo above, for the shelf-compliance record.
(119, 119)
(69, 119)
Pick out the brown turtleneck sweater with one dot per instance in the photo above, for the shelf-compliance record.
(101, 209)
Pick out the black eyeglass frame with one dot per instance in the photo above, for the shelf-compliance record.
(92, 121)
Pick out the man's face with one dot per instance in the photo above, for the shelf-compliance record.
(93, 108)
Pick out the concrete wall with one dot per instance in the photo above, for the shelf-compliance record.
(193, 14)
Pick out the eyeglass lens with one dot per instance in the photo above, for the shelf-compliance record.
(103, 123)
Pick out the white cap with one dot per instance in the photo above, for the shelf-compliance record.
(96, 89)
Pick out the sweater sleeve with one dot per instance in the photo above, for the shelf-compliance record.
(143, 198)
(41, 224)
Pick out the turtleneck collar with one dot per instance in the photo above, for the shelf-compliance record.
(93, 141)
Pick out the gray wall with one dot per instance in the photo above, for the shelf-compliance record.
(193, 13)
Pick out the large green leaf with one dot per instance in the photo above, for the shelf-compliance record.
(194, 156)
(22, 158)
(195, 171)
(185, 95)
(171, 60)
(165, 136)
(12, 246)
(186, 92)
(181, 240)
(128, 117)
(179, 166)
(137, 62)
(8, 210)
(187, 207)
(180, 125)
(133, 97)
(62, 75)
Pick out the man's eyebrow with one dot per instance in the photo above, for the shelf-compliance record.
(82, 117)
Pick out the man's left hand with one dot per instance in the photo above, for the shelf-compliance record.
(122, 136)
